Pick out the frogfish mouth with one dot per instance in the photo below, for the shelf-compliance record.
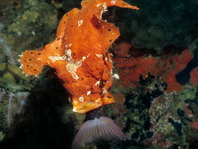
(80, 56)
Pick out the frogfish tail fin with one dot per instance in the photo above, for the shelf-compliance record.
(97, 129)
(30, 62)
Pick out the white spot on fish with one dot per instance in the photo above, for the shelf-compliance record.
(97, 83)
(21, 66)
(116, 76)
(81, 99)
(88, 92)
(56, 58)
(80, 23)
(113, 2)
(69, 45)
(73, 65)
(104, 91)
(99, 55)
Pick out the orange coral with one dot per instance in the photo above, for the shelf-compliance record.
(173, 65)
(194, 76)
(130, 68)
(80, 54)
(194, 125)
(188, 112)
(122, 49)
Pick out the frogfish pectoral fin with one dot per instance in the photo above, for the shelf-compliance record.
(30, 62)
(95, 130)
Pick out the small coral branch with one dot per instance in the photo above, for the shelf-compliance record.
(7, 49)
(11, 105)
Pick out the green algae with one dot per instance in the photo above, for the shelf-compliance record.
(30, 26)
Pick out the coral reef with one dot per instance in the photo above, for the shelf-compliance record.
(165, 121)
(153, 118)
(194, 76)
(160, 112)
(154, 86)
(7, 51)
(14, 88)
(25, 27)
(130, 67)
(12, 104)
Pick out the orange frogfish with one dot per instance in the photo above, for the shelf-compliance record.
(80, 54)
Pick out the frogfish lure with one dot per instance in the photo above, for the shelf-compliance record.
(80, 56)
